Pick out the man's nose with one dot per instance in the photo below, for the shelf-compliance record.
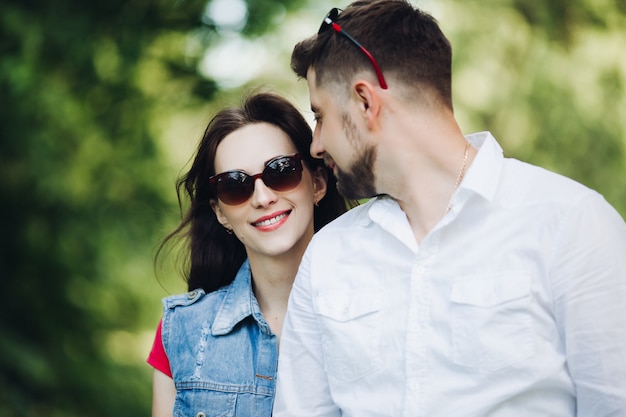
(317, 150)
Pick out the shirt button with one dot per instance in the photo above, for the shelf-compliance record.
(420, 269)
(201, 414)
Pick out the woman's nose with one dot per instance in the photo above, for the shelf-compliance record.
(262, 195)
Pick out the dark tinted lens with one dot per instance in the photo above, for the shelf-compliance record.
(283, 173)
(234, 187)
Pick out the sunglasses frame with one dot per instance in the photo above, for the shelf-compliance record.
(251, 179)
(330, 23)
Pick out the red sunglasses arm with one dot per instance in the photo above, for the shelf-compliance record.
(379, 74)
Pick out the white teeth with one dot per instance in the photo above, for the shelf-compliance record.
(271, 221)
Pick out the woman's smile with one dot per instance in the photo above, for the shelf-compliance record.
(271, 222)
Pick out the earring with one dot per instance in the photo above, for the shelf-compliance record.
(229, 231)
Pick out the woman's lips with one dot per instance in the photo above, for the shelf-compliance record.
(272, 221)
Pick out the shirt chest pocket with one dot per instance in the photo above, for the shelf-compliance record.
(491, 321)
(350, 328)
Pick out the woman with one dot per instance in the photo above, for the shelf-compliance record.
(216, 349)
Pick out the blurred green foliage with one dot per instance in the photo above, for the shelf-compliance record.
(82, 184)
(87, 185)
(549, 80)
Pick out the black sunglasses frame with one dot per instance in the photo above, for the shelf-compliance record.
(329, 22)
(236, 187)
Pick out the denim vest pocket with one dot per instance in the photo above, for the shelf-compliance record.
(205, 403)
(491, 321)
(212, 399)
(350, 326)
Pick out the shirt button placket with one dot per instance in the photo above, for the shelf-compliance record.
(415, 341)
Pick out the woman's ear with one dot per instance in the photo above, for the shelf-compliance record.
(320, 184)
(215, 205)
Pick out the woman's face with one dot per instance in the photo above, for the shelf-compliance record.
(270, 223)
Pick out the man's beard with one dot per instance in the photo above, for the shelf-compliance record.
(359, 180)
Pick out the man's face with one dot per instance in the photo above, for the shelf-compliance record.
(337, 139)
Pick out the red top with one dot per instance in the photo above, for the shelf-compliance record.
(158, 358)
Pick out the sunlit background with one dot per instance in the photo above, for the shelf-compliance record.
(103, 102)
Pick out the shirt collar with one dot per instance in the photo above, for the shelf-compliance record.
(386, 212)
(482, 178)
(483, 175)
(238, 303)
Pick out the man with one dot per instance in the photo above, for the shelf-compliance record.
(472, 284)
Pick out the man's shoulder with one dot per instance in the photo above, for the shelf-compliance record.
(535, 183)
(353, 217)
(351, 229)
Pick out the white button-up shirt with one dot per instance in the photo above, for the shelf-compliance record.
(514, 305)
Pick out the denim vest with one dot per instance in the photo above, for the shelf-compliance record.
(222, 353)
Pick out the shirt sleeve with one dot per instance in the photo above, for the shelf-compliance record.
(302, 386)
(158, 358)
(588, 279)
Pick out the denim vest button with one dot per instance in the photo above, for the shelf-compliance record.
(192, 294)
(200, 414)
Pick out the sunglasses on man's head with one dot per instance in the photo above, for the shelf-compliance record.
(282, 173)
(329, 22)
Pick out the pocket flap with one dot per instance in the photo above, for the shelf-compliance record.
(489, 291)
(348, 306)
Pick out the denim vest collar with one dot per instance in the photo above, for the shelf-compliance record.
(238, 303)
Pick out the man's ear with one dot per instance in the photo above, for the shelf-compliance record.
(320, 184)
(215, 205)
(368, 101)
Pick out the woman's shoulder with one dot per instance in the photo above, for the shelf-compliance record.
(192, 298)
(205, 304)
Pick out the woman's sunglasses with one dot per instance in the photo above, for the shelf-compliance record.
(282, 173)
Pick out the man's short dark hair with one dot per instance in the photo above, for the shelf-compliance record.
(406, 42)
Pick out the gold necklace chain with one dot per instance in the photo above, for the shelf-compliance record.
(459, 177)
